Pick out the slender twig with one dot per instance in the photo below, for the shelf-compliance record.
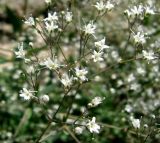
(81, 44)
(50, 45)
(80, 116)
(69, 109)
(62, 53)
(44, 131)
(72, 134)
(85, 42)
(60, 104)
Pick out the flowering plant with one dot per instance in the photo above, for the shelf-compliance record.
(84, 79)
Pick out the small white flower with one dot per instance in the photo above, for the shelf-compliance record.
(44, 99)
(96, 101)
(141, 71)
(79, 130)
(134, 86)
(50, 26)
(131, 78)
(128, 13)
(135, 123)
(51, 64)
(139, 38)
(100, 5)
(93, 126)
(68, 16)
(51, 17)
(109, 6)
(30, 21)
(145, 126)
(149, 55)
(119, 82)
(137, 10)
(101, 44)
(66, 81)
(20, 53)
(97, 56)
(48, 1)
(90, 28)
(128, 108)
(26, 94)
(81, 74)
(149, 10)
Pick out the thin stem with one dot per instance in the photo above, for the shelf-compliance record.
(61, 103)
(62, 53)
(44, 131)
(40, 33)
(129, 36)
(80, 44)
(80, 116)
(72, 134)
(49, 123)
(68, 112)
(85, 42)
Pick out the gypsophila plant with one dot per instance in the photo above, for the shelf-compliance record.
(87, 71)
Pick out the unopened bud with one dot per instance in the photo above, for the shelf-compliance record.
(44, 99)
(78, 130)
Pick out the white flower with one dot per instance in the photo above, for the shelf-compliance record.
(128, 108)
(128, 13)
(51, 64)
(149, 10)
(131, 77)
(26, 94)
(139, 38)
(81, 74)
(66, 81)
(68, 16)
(47, 1)
(137, 10)
(79, 130)
(100, 5)
(89, 28)
(96, 101)
(97, 56)
(20, 53)
(109, 6)
(141, 70)
(30, 21)
(50, 26)
(93, 126)
(149, 55)
(135, 123)
(101, 44)
(51, 17)
(44, 99)
(135, 86)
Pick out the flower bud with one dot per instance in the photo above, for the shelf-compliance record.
(78, 130)
(44, 99)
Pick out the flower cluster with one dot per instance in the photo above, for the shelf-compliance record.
(139, 11)
(51, 64)
(101, 6)
(101, 46)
